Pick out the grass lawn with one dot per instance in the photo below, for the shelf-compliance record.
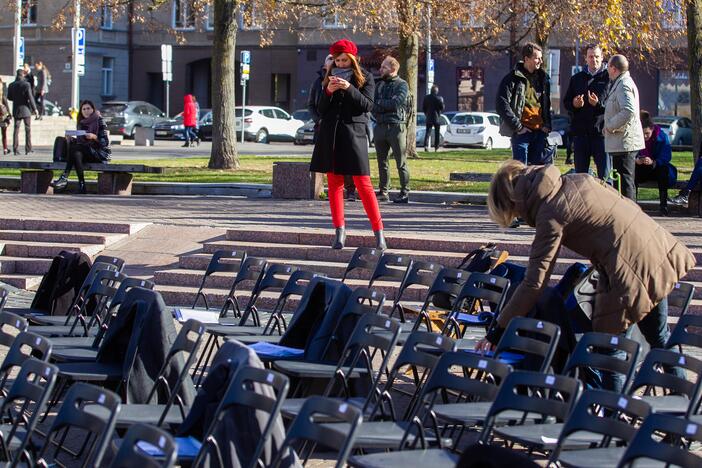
(429, 172)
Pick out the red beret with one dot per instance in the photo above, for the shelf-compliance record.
(343, 46)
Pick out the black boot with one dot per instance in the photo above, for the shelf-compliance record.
(60, 184)
(340, 238)
(81, 187)
(380, 240)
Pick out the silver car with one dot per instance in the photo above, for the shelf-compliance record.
(679, 129)
(124, 117)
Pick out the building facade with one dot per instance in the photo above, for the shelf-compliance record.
(123, 61)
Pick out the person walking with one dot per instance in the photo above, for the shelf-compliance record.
(189, 120)
(342, 146)
(93, 146)
(433, 106)
(5, 116)
(390, 113)
(638, 260)
(622, 126)
(196, 130)
(23, 106)
(43, 79)
(524, 106)
(584, 100)
(653, 163)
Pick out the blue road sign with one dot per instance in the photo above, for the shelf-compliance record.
(80, 37)
(21, 50)
(246, 57)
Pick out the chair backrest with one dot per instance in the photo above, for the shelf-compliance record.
(26, 345)
(233, 258)
(418, 274)
(111, 264)
(594, 350)
(480, 293)
(25, 402)
(125, 286)
(363, 258)
(548, 395)
(4, 294)
(142, 439)
(306, 427)
(441, 294)
(614, 416)
(681, 297)
(296, 286)
(97, 426)
(116, 262)
(103, 289)
(10, 325)
(651, 374)
(275, 277)
(535, 338)
(392, 267)
(252, 269)
(687, 332)
(246, 388)
(659, 438)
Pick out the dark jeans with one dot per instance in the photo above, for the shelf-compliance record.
(654, 328)
(659, 174)
(78, 155)
(530, 147)
(437, 135)
(3, 130)
(39, 99)
(695, 176)
(625, 164)
(591, 146)
(190, 134)
(387, 137)
(27, 134)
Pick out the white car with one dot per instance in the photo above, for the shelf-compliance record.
(422, 129)
(263, 124)
(476, 129)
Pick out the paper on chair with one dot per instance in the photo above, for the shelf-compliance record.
(201, 315)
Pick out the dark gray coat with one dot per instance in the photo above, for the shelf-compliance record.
(342, 144)
(20, 93)
(391, 101)
(511, 100)
(433, 106)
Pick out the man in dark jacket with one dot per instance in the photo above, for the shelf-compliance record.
(584, 99)
(433, 106)
(390, 112)
(524, 105)
(316, 91)
(43, 77)
(23, 106)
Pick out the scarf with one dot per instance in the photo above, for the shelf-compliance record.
(90, 124)
(650, 143)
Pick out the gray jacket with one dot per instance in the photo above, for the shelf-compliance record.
(622, 125)
(390, 103)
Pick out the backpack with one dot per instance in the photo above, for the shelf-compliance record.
(60, 149)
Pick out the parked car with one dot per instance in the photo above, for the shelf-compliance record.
(421, 128)
(173, 128)
(561, 124)
(451, 114)
(679, 129)
(124, 117)
(305, 134)
(51, 108)
(263, 124)
(475, 129)
(302, 114)
(206, 126)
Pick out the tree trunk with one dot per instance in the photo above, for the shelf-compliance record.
(409, 65)
(694, 53)
(224, 155)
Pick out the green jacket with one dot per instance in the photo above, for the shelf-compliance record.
(390, 103)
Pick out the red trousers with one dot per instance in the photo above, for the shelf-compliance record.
(365, 190)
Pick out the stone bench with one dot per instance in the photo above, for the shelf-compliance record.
(113, 179)
(293, 180)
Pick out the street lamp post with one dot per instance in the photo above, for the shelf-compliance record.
(16, 37)
(75, 78)
(429, 68)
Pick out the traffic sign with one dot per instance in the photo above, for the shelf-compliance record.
(166, 52)
(21, 50)
(246, 56)
(431, 65)
(79, 36)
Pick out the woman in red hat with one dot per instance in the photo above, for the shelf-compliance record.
(342, 146)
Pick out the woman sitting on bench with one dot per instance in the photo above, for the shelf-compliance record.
(92, 146)
(653, 162)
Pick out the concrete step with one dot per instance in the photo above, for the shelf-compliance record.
(62, 236)
(27, 266)
(70, 225)
(46, 249)
(28, 282)
(7, 265)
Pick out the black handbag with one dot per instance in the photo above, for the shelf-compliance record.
(60, 149)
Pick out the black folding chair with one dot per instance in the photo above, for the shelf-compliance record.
(441, 295)
(665, 439)
(219, 265)
(10, 325)
(306, 428)
(528, 343)
(296, 286)
(549, 397)
(22, 407)
(681, 297)
(4, 294)
(246, 390)
(162, 449)
(252, 269)
(594, 351)
(72, 415)
(679, 396)
(478, 303)
(687, 332)
(26, 345)
(601, 422)
(418, 274)
(364, 258)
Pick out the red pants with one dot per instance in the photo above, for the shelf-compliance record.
(365, 191)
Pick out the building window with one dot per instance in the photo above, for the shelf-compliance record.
(106, 17)
(183, 14)
(673, 16)
(29, 12)
(209, 24)
(108, 66)
(331, 19)
(249, 18)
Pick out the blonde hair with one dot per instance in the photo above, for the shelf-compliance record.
(500, 200)
(357, 73)
(393, 62)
